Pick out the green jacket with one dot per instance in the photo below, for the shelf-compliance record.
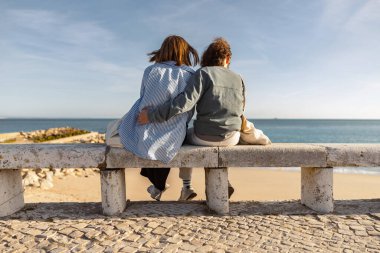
(217, 93)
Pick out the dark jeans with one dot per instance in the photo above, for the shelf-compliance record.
(157, 176)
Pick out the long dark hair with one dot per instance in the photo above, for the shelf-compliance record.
(175, 48)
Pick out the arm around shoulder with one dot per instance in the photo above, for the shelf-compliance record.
(183, 102)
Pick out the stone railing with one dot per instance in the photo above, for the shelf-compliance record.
(316, 162)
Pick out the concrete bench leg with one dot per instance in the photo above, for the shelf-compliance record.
(11, 192)
(317, 189)
(217, 189)
(113, 191)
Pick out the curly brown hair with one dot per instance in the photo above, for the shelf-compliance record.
(216, 52)
(175, 48)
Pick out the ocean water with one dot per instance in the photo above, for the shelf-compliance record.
(320, 131)
(278, 130)
(27, 125)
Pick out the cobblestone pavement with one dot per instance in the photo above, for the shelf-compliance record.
(189, 227)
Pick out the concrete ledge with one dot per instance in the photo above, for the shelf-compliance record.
(353, 155)
(317, 189)
(315, 160)
(188, 156)
(113, 191)
(275, 155)
(16, 156)
(11, 192)
(52, 155)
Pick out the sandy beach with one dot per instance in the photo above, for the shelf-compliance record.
(250, 184)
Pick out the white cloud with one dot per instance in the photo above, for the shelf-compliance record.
(357, 17)
(87, 33)
(54, 30)
(114, 69)
(366, 19)
(170, 16)
(38, 20)
(335, 13)
(121, 78)
(248, 63)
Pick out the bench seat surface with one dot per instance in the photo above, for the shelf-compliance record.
(16, 156)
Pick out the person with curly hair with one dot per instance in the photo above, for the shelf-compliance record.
(217, 93)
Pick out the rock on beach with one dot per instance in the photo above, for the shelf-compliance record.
(43, 178)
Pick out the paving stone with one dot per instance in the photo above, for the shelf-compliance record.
(153, 224)
(66, 231)
(361, 233)
(174, 240)
(42, 226)
(92, 234)
(32, 231)
(107, 243)
(344, 232)
(373, 232)
(188, 247)
(16, 246)
(205, 248)
(128, 249)
(122, 227)
(133, 237)
(43, 244)
(188, 238)
(167, 225)
(76, 234)
(109, 232)
(58, 250)
(178, 227)
(218, 251)
(365, 222)
(79, 225)
(159, 231)
(151, 243)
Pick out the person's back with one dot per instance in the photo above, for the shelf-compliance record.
(161, 81)
(161, 141)
(220, 108)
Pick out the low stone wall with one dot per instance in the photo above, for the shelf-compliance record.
(316, 161)
(44, 177)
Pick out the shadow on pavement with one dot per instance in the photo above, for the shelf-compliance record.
(86, 211)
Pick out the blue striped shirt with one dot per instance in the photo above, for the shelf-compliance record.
(157, 141)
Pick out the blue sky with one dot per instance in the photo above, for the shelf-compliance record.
(299, 59)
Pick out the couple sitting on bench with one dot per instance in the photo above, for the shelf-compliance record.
(157, 124)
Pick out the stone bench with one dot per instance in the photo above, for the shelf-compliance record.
(316, 162)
